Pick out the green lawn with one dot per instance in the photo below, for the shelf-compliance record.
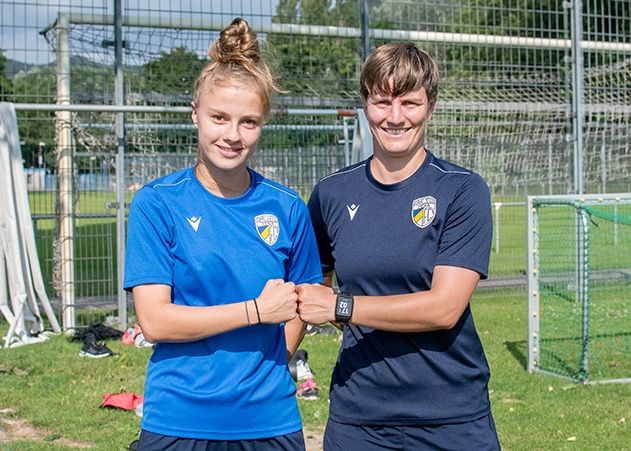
(50, 386)
(561, 331)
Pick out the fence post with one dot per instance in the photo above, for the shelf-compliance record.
(550, 165)
(65, 193)
(365, 28)
(577, 91)
(347, 148)
(497, 206)
(615, 224)
(120, 163)
(533, 286)
(603, 162)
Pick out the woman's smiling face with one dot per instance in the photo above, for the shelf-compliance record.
(229, 120)
(398, 123)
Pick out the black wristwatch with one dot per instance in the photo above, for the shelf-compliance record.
(343, 307)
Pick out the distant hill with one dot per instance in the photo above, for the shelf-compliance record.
(15, 67)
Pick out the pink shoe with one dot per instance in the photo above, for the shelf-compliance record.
(128, 337)
(308, 390)
(137, 330)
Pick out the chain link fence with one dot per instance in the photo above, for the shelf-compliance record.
(518, 102)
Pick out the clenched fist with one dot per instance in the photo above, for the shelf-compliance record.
(277, 303)
(316, 303)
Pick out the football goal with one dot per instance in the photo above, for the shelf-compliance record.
(579, 287)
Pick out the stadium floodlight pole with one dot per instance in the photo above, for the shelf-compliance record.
(365, 27)
(577, 90)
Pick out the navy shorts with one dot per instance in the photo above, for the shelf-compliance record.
(156, 442)
(479, 435)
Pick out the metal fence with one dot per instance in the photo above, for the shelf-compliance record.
(534, 95)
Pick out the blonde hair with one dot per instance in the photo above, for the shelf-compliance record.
(236, 56)
(398, 68)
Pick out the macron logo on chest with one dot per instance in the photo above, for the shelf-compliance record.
(194, 222)
(352, 210)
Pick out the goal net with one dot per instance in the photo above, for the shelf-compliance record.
(579, 287)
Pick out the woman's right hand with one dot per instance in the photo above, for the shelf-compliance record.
(278, 302)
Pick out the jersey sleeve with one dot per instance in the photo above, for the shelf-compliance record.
(148, 256)
(467, 235)
(303, 264)
(319, 227)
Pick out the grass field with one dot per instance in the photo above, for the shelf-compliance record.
(51, 387)
(561, 331)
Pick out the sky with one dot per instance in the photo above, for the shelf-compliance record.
(22, 20)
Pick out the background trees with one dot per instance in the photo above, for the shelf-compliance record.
(317, 67)
(322, 70)
(173, 74)
(5, 84)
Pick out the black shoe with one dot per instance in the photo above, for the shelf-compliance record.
(298, 366)
(96, 331)
(327, 329)
(95, 351)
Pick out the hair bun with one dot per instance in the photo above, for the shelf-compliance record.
(236, 58)
(237, 43)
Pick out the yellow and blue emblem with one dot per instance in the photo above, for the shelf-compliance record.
(423, 211)
(267, 227)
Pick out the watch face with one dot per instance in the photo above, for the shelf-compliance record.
(344, 307)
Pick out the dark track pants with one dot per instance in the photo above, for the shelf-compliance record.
(156, 442)
(478, 435)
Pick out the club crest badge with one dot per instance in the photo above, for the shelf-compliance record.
(423, 211)
(267, 227)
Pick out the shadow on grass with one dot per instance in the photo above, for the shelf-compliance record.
(519, 350)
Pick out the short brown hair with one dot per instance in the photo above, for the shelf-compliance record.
(397, 68)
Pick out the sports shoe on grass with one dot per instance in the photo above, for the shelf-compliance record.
(128, 337)
(97, 332)
(134, 335)
(303, 371)
(308, 390)
(299, 367)
(141, 342)
(326, 329)
(95, 350)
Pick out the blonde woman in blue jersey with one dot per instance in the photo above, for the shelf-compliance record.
(408, 236)
(213, 256)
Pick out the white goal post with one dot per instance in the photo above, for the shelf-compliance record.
(579, 287)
